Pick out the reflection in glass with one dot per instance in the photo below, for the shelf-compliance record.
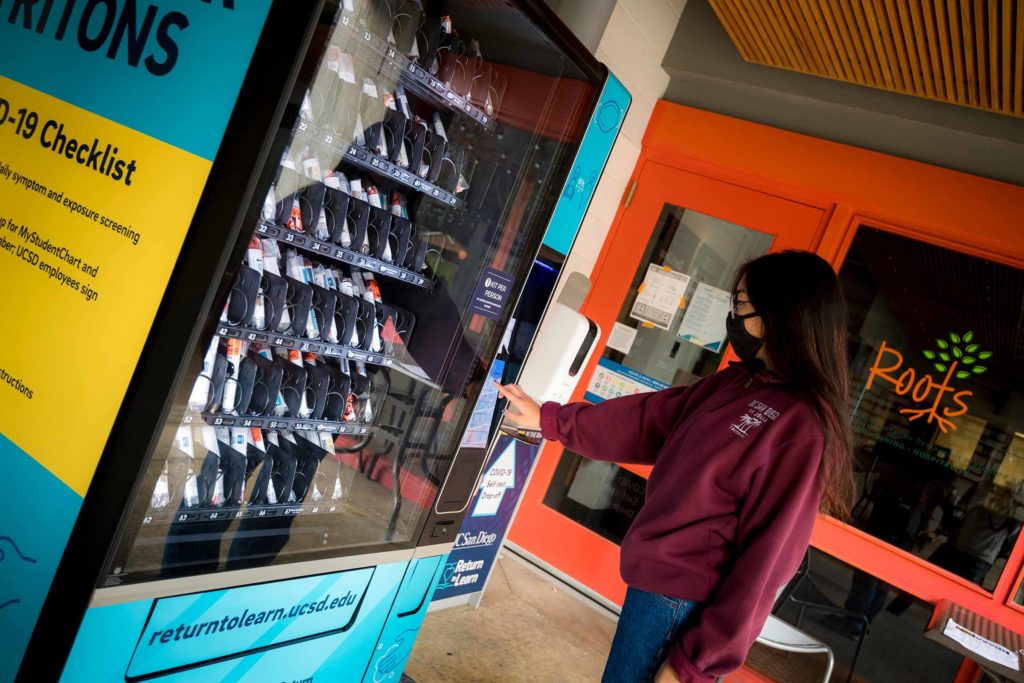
(601, 496)
(708, 250)
(889, 649)
(937, 407)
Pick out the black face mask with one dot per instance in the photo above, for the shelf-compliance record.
(743, 343)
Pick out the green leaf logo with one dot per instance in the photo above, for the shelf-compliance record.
(950, 352)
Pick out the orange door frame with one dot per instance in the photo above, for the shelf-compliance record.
(590, 558)
(730, 166)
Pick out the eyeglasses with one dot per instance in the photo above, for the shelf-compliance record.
(737, 305)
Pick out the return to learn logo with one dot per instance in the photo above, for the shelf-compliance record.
(461, 573)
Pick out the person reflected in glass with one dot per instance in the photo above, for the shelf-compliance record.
(986, 529)
(743, 460)
(982, 534)
(908, 490)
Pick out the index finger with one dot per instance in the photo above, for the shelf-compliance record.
(515, 390)
(518, 402)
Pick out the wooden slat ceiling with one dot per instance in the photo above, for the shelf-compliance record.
(968, 52)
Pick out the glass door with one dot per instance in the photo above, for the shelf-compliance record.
(655, 344)
(660, 296)
(410, 189)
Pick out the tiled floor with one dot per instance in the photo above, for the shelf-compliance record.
(531, 628)
(526, 629)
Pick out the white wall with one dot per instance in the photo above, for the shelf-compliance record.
(633, 47)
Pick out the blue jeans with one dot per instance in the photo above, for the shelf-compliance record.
(649, 625)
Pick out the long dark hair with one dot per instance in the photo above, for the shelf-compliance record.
(800, 303)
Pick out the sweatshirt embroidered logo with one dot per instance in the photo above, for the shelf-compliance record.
(757, 414)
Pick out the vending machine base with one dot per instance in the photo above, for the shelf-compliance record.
(347, 626)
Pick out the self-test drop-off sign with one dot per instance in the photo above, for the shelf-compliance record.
(500, 477)
(493, 290)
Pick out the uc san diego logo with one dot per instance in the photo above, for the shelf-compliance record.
(757, 414)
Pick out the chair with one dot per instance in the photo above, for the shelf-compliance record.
(802, 592)
(779, 635)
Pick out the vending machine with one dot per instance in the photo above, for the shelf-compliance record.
(288, 468)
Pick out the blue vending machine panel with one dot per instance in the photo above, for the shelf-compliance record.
(309, 629)
(587, 168)
(403, 624)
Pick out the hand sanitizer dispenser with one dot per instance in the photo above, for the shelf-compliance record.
(560, 353)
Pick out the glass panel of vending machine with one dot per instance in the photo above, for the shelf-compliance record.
(413, 178)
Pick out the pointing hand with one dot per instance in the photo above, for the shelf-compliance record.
(522, 409)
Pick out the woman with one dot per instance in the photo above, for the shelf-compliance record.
(742, 462)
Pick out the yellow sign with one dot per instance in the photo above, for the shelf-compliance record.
(92, 217)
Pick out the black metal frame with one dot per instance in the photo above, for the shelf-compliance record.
(543, 15)
(790, 595)
(202, 274)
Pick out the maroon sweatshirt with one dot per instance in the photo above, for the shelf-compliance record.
(730, 502)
